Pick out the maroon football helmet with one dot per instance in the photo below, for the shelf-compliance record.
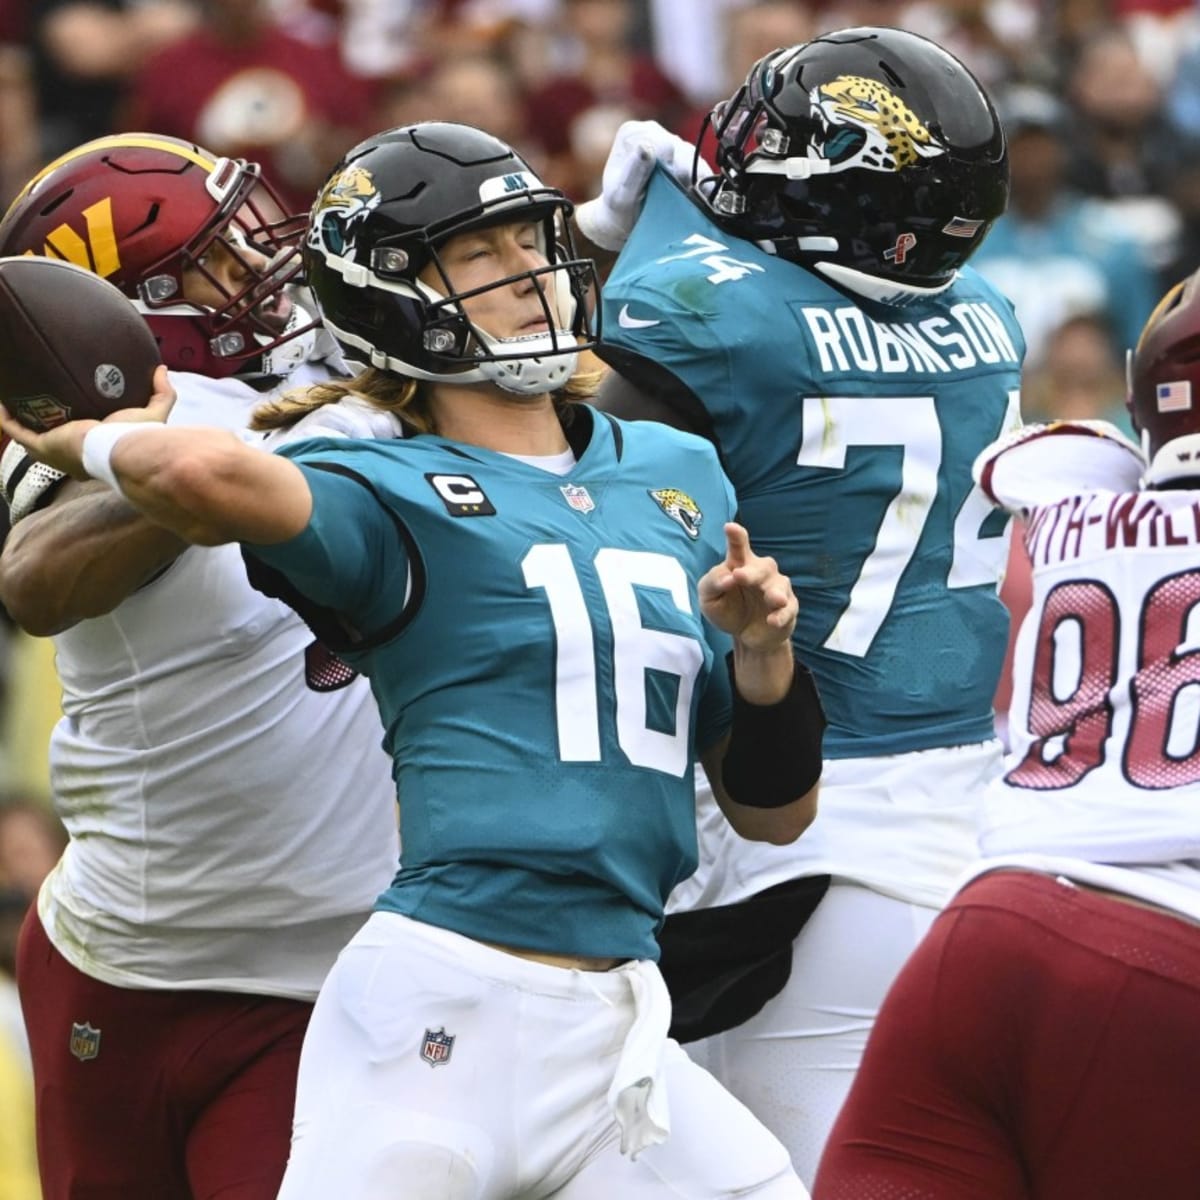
(139, 209)
(1164, 385)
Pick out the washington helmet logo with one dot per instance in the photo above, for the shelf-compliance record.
(681, 508)
(436, 1046)
(344, 203)
(85, 1041)
(867, 125)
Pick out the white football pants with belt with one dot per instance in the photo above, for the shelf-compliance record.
(438, 1068)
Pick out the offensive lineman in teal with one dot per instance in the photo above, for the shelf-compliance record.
(542, 597)
(807, 308)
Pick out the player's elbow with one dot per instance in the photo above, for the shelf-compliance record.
(23, 604)
(25, 592)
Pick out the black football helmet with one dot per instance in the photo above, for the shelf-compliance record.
(140, 210)
(865, 152)
(377, 224)
(1164, 385)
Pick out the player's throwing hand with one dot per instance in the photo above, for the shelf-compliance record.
(62, 446)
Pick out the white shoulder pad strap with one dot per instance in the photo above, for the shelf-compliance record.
(25, 484)
(1039, 464)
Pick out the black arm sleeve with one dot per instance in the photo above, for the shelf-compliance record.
(774, 752)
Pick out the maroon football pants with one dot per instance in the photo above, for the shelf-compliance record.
(156, 1095)
(1042, 1043)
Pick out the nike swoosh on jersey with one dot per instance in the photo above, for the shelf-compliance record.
(628, 322)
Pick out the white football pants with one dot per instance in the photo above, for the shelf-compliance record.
(438, 1068)
(792, 1063)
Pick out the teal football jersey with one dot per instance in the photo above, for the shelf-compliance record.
(848, 429)
(543, 670)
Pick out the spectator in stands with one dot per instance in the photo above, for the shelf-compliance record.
(1081, 375)
(18, 109)
(602, 67)
(18, 1147)
(478, 88)
(31, 839)
(1053, 253)
(245, 86)
(1121, 144)
(84, 54)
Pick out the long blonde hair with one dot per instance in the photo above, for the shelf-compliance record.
(407, 398)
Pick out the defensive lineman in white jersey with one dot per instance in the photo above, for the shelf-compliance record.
(231, 810)
(1017, 1051)
(174, 853)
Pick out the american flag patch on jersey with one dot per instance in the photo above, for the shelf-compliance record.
(961, 227)
(1174, 397)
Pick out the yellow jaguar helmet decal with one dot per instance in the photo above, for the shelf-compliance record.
(868, 125)
(344, 202)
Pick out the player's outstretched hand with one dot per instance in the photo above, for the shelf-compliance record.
(62, 446)
(747, 595)
(608, 220)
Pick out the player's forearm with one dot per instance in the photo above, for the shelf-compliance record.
(763, 676)
(770, 766)
(79, 558)
(205, 485)
(780, 826)
(210, 488)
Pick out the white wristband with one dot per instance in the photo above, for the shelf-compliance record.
(98, 445)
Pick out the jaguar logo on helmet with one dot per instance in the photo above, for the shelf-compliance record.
(344, 203)
(867, 125)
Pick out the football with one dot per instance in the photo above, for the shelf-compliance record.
(71, 345)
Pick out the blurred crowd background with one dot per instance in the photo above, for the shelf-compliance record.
(1101, 101)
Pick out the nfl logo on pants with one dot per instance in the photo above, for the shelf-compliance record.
(85, 1041)
(436, 1047)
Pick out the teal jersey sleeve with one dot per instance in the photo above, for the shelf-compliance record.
(351, 557)
(848, 429)
(716, 708)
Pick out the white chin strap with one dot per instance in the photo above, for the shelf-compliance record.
(548, 367)
(547, 360)
(545, 371)
(1178, 459)
(872, 287)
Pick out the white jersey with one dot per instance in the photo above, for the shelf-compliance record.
(1103, 782)
(230, 826)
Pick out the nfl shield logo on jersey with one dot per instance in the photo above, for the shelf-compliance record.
(85, 1041)
(436, 1047)
(578, 498)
